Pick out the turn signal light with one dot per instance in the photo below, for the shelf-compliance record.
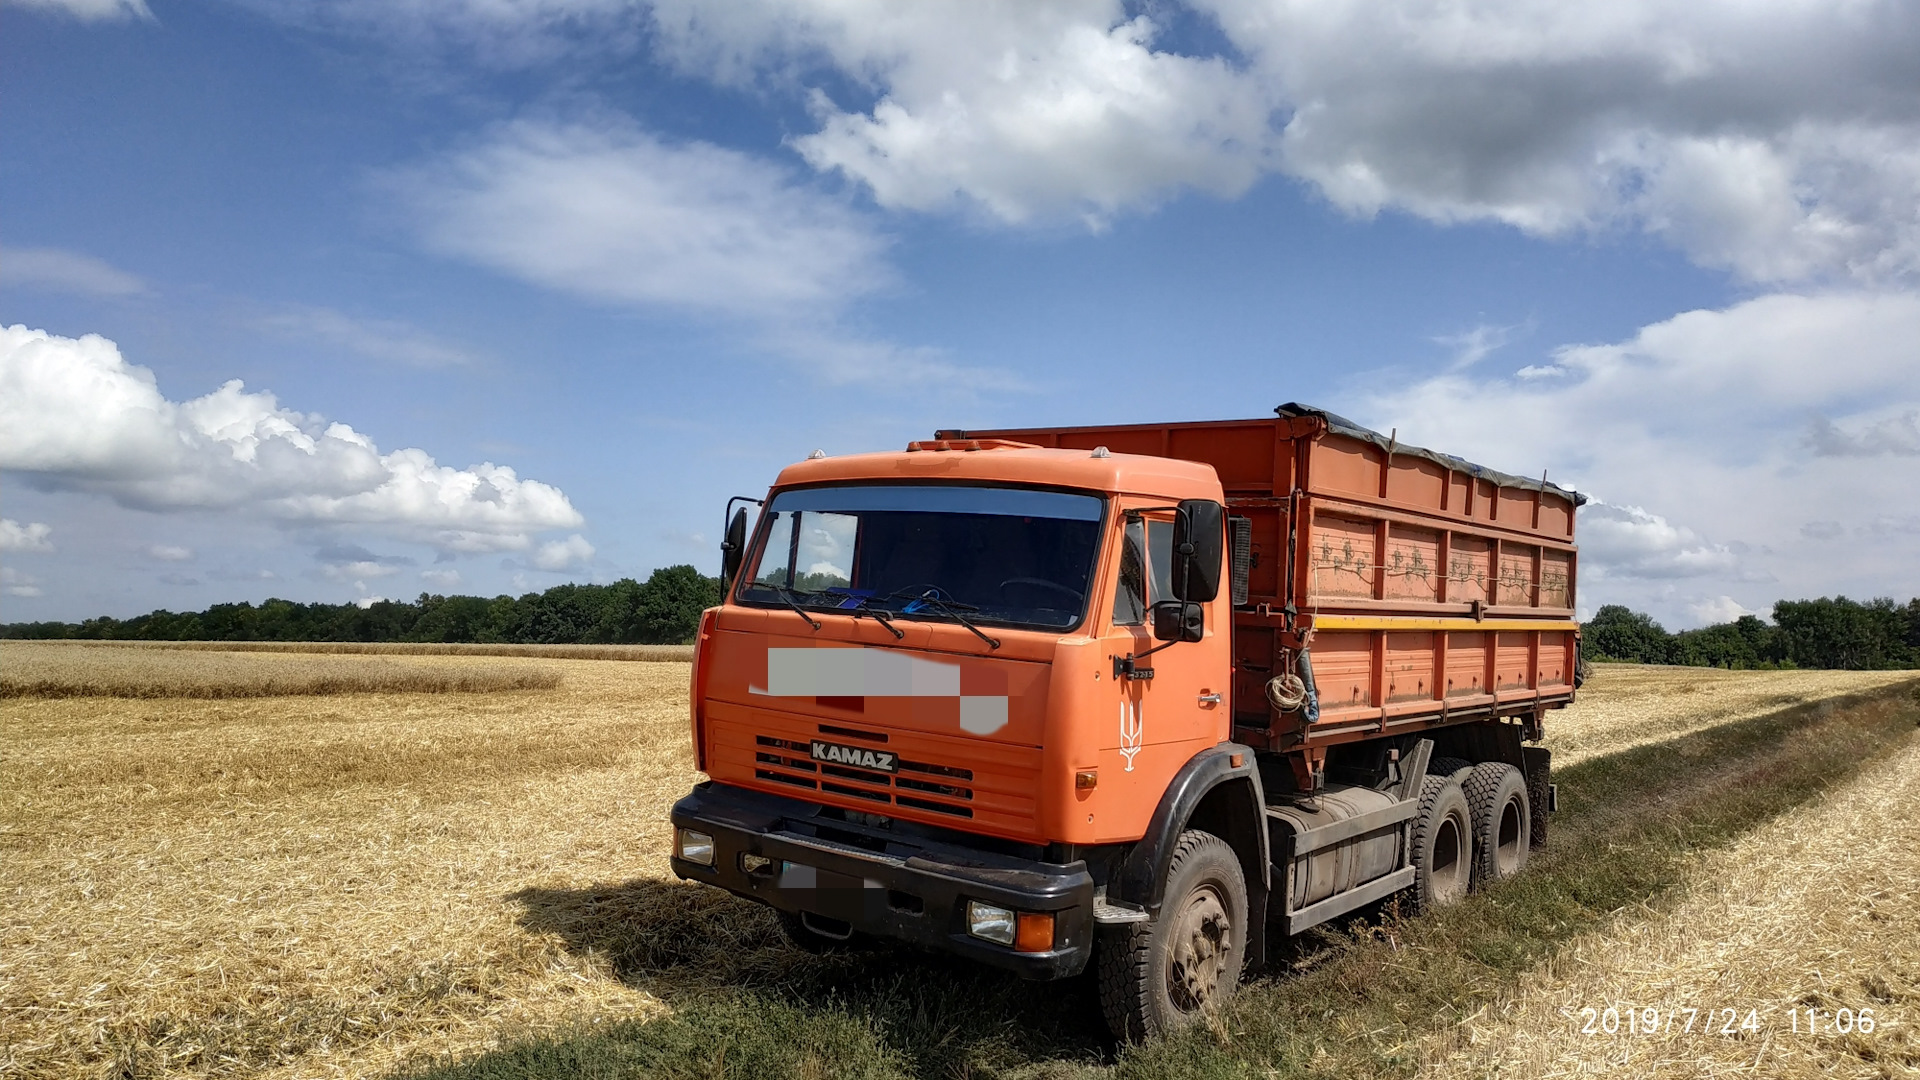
(1086, 779)
(1035, 932)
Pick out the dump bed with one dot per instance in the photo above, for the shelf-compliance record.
(1427, 590)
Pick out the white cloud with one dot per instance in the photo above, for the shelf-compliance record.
(66, 271)
(357, 572)
(1627, 541)
(499, 34)
(1718, 609)
(1781, 141)
(1778, 140)
(15, 583)
(1693, 436)
(92, 10)
(1022, 110)
(170, 553)
(74, 415)
(605, 210)
(379, 339)
(33, 536)
(1890, 436)
(566, 554)
(1475, 345)
(445, 579)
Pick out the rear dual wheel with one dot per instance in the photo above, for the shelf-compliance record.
(1502, 821)
(1442, 854)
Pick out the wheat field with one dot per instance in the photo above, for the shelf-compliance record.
(351, 883)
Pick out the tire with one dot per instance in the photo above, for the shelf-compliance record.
(1502, 832)
(1442, 844)
(1161, 975)
(1444, 767)
(1537, 802)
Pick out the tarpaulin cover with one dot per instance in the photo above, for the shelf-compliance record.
(1340, 425)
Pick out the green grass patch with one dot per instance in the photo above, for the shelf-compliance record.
(1354, 1001)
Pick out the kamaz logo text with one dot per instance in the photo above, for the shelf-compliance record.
(857, 756)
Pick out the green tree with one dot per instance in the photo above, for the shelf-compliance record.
(1619, 633)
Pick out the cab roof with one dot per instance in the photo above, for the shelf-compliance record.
(998, 462)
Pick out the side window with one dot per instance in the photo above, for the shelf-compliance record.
(1130, 594)
(776, 560)
(1160, 561)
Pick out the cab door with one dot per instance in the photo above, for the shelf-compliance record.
(1163, 720)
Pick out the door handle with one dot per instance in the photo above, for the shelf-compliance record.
(1209, 699)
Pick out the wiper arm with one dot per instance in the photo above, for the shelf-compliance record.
(879, 616)
(786, 596)
(953, 609)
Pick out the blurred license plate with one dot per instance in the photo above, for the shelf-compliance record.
(824, 892)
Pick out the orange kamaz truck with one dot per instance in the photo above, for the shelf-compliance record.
(1133, 697)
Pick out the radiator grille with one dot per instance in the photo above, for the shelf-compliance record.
(941, 789)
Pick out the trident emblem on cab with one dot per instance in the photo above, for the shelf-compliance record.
(1130, 729)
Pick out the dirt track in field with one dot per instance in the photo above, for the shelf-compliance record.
(1818, 910)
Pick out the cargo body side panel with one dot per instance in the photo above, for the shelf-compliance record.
(1430, 591)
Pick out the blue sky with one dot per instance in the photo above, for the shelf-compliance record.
(534, 285)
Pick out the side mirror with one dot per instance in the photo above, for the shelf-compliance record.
(733, 550)
(1199, 535)
(1179, 620)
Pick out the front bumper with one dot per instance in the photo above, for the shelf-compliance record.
(908, 888)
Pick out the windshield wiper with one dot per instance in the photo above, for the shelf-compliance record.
(879, 615)
(932, 596)
(787, 597)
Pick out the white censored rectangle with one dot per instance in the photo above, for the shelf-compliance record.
(859, 673)
(982, 715)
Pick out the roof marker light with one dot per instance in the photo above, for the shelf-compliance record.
(816, 455)
(1100, 452)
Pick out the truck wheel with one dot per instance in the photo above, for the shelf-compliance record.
(1537, 807)
(1442, 853)
(1502, 831)
(1159, 975)
(1449, 766)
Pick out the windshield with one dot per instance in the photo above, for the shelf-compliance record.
(1012, 556)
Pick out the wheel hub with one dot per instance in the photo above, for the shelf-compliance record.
(1198, 948)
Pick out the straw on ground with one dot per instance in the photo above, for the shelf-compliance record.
(1816, 910)
(1627, 705)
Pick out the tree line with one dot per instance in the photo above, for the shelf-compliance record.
(662, 610)
(665, 610)
(1825, 633)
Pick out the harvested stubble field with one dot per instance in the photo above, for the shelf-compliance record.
(651, 653)
(64, 669)
(476, 885)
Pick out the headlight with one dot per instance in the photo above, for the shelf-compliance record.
(696, 847)
(990, 923)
